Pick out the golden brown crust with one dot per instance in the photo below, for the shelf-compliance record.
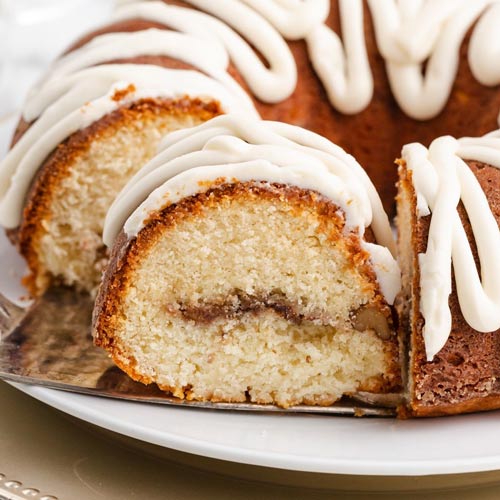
(473, 405)
(58, 165)
(376, 135)
(127, 254)
(465, 375)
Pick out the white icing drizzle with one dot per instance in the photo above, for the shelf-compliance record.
(272, 84)
(344, 69)
(294, 19)
(485, 48)
(238, 148)
(70, 103)
(442, 179)
(207, 56)
(409, 34)
(434, 34)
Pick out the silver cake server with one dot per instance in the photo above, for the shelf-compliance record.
(50, 344)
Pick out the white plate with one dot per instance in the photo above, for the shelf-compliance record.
(324, 444)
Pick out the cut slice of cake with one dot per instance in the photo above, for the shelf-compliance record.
(449, 245)
(251, 264)
(86, 129)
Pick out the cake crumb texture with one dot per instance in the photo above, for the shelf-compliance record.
(247, 293)
(61, 232)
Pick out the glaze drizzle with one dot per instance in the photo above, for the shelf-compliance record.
(410, 34)
(68, 103)
(241, 149)
(442, 179)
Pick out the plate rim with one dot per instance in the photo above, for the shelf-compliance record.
(356, 467)
(87, 412)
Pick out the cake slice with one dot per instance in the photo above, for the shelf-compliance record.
(449, 243)
(250, 263)
(87, 127)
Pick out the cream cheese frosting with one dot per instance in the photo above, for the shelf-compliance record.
(410, 35)
(239, 149)
(270, 84)
(72, 102)
(442, 179)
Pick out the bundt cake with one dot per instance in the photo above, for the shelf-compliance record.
(252, 259)
(449, 244)
(377, 74)
(251, 264)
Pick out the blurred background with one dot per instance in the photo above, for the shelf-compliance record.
(33, 33)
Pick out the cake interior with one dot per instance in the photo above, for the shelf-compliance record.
(61, 234)
(251, 293)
